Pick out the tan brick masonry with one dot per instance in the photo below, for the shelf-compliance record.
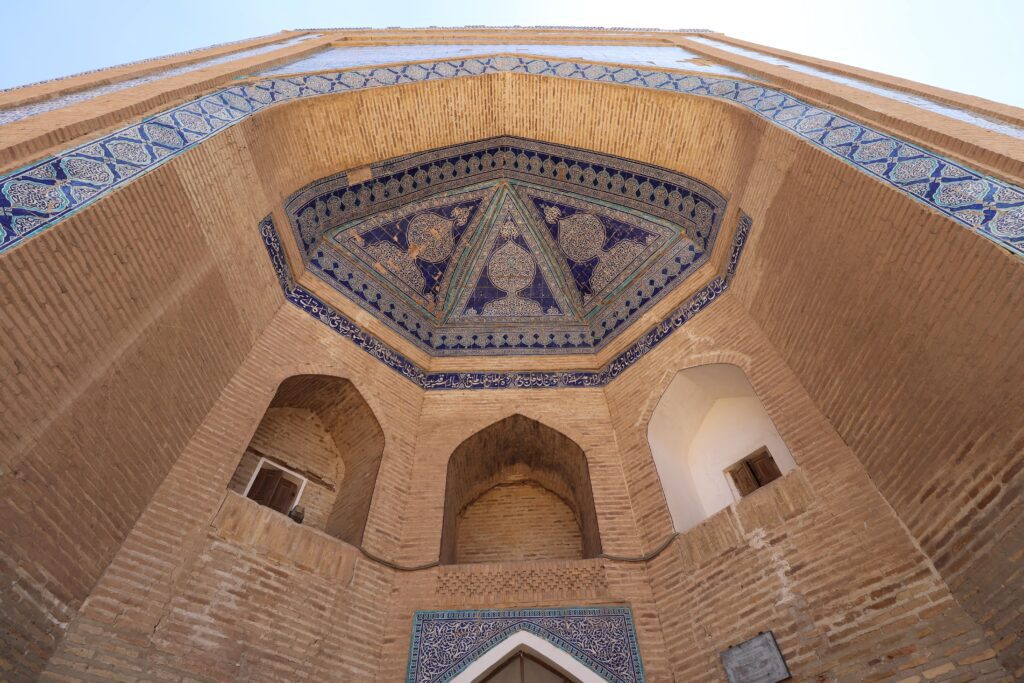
(145, 336)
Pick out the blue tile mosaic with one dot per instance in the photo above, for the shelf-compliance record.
(603, 639)
(599, 241)
(40, 195)
(346, 328)
(418, 249)
(511, 283)
(584, 256)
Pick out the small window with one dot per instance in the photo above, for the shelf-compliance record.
(275, 486)
(754, 471)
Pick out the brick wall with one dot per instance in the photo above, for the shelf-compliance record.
(907, 359)
(121, 327)
(231, 589)
(818, 556)
(296, 439)
(518, 521)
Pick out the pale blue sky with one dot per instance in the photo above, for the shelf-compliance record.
(973, 46)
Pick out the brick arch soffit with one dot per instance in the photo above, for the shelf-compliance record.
(576, 491)
(723, 357)
(341, 383)
(283, 371)
(669, 373)
(466, 429)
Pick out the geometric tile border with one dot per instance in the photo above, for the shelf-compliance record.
(40, 195)
(444, 643)
(347, 328)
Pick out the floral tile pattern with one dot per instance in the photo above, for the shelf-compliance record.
(604, 639)
(348, 329)
(507, 245)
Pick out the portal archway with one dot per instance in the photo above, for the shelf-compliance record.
(518, 490)
(524, 657)
(713, 442)
(318, 447)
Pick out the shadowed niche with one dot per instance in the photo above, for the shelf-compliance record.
(518, 490)
(713, 442)
(318, 446)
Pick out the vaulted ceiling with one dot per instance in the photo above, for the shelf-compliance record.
(507, 245)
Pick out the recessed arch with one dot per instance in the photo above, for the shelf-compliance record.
(706, 425)
(323, 435)
(527, 476)
(526, 642)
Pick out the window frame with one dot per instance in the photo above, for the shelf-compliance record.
(294, 477)
(745, 462)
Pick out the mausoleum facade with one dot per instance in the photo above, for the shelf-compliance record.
(527, 354)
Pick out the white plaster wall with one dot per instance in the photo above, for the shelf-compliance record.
(676, 419)
(733, 429)
(535, 645)
(708, 419)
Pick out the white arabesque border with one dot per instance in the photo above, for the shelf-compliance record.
(535, 645)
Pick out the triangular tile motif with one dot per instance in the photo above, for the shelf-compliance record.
(414, 245)
(418, 248)
(506, 245)
(511, 282)
(597, 248)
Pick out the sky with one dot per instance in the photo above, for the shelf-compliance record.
(971, 46)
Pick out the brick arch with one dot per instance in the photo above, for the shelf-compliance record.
(669, 373)
(321, 427)
(519, 451)
(306, 365)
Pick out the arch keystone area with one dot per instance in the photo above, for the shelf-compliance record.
(601, 641)
(524, 641)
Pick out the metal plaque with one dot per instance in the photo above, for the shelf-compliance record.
(757, 660)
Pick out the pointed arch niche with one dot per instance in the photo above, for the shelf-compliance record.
(707, 426)
(317, 447)
(526, 658)
(518, 490)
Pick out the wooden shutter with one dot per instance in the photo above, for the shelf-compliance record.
(764, 468)
(263, 488)
(744, 479)
(284, 496)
